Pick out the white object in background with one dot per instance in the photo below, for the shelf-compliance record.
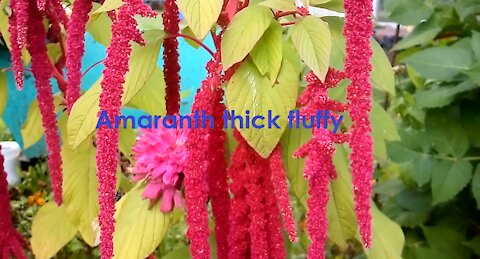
(11, 152)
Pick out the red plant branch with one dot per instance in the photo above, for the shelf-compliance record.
(282, 14)
(210, 51)
(92, 66)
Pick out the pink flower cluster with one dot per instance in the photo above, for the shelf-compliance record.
(160, 156)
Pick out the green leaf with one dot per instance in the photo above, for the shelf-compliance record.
(340, 208)
(51, 230)
(476, 44)
(127, 138)
(267, 54)
(99, 26)
(292, 140)
(382, 227)
(442, 95)
(189, 32)
(382, 75)
(476, 186)
(474, 244)
(3, 92)
(280, 5)
(333, 5)
(243, 33)
(408, 12)
(32, 129)
(313, 40)
(248, 90)
(83, 117)
(108, 5)
(200, 14)
(441, 63)
(151, 98)
(139, 229)
(447, 242)
(422, 34)
(383, 128)
(449, 179)
(446, 134)
(423, 167)
(474, 73)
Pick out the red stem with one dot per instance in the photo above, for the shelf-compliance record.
(92, 66)
(287, 23)
(195, 40)
(282, 14)
(62, 84)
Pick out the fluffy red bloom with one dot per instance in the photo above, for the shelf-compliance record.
(41, 70)
(276, 243)
(11, 241)
(198, 162)
(171, 20)
(17, 27)
(281, 191)
(217, 177)
(124, 30)
(357, 30)
(76, 48)
(57, 12)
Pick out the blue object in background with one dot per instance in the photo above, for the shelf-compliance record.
(192, 63)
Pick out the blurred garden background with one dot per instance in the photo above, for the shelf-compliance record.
(428, 180)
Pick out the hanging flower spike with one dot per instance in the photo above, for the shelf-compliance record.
(17, 27)
(319, 169)
(171, 22)
(160, 156)
(58, 12)
(278, 178)
(41, 70)
(357, 30)
(124, 29)
(11, 241)
(76, 48)
(217, 174)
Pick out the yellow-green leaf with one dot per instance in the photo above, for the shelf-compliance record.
(83, 118)
(139, 229)
(244, 32)
(267, 54)
(249, 90)
(54, 52)
(51, 230)
(127, 138)
(151, 98)
(312, 38)
(108, 5)
(200, 14)
(32, 129)
(80, 194)
(382, 227)
(280, 5)
(99, 26)
(3, 92)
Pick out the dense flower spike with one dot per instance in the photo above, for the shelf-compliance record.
(281, 191)
(76, 48)
(276, 243)
(171, 69)
(116, 66)
(41, 70)
(357, 30)
(17, 27)
(11, 241)
(160, 156)
(198, 161)
(217, 177)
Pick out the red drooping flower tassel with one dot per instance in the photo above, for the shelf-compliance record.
(124, 30)
(217, 176)
(17, 27)
(357, 30)
(11, 241)
(76, 48)
(281, 192)
(171, 69)
(198, 161)
(41, 70)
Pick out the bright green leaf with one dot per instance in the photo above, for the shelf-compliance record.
(312, 38)
(442, 95)
(139, 229)
(151, 98)
(248, 90)
(51, 230)
(422, 34)
(187, 31)
(99, 26)
(200, 14)
(446, 135)
(280, 5)
(383, 128)
(441, 63)
(408, 12)
(476, 185)
(108, 5)
(267, 54)
(245, 30)
(3, 92)
(449, 179)
(383, 227)
(149, 23)
(127, 138)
